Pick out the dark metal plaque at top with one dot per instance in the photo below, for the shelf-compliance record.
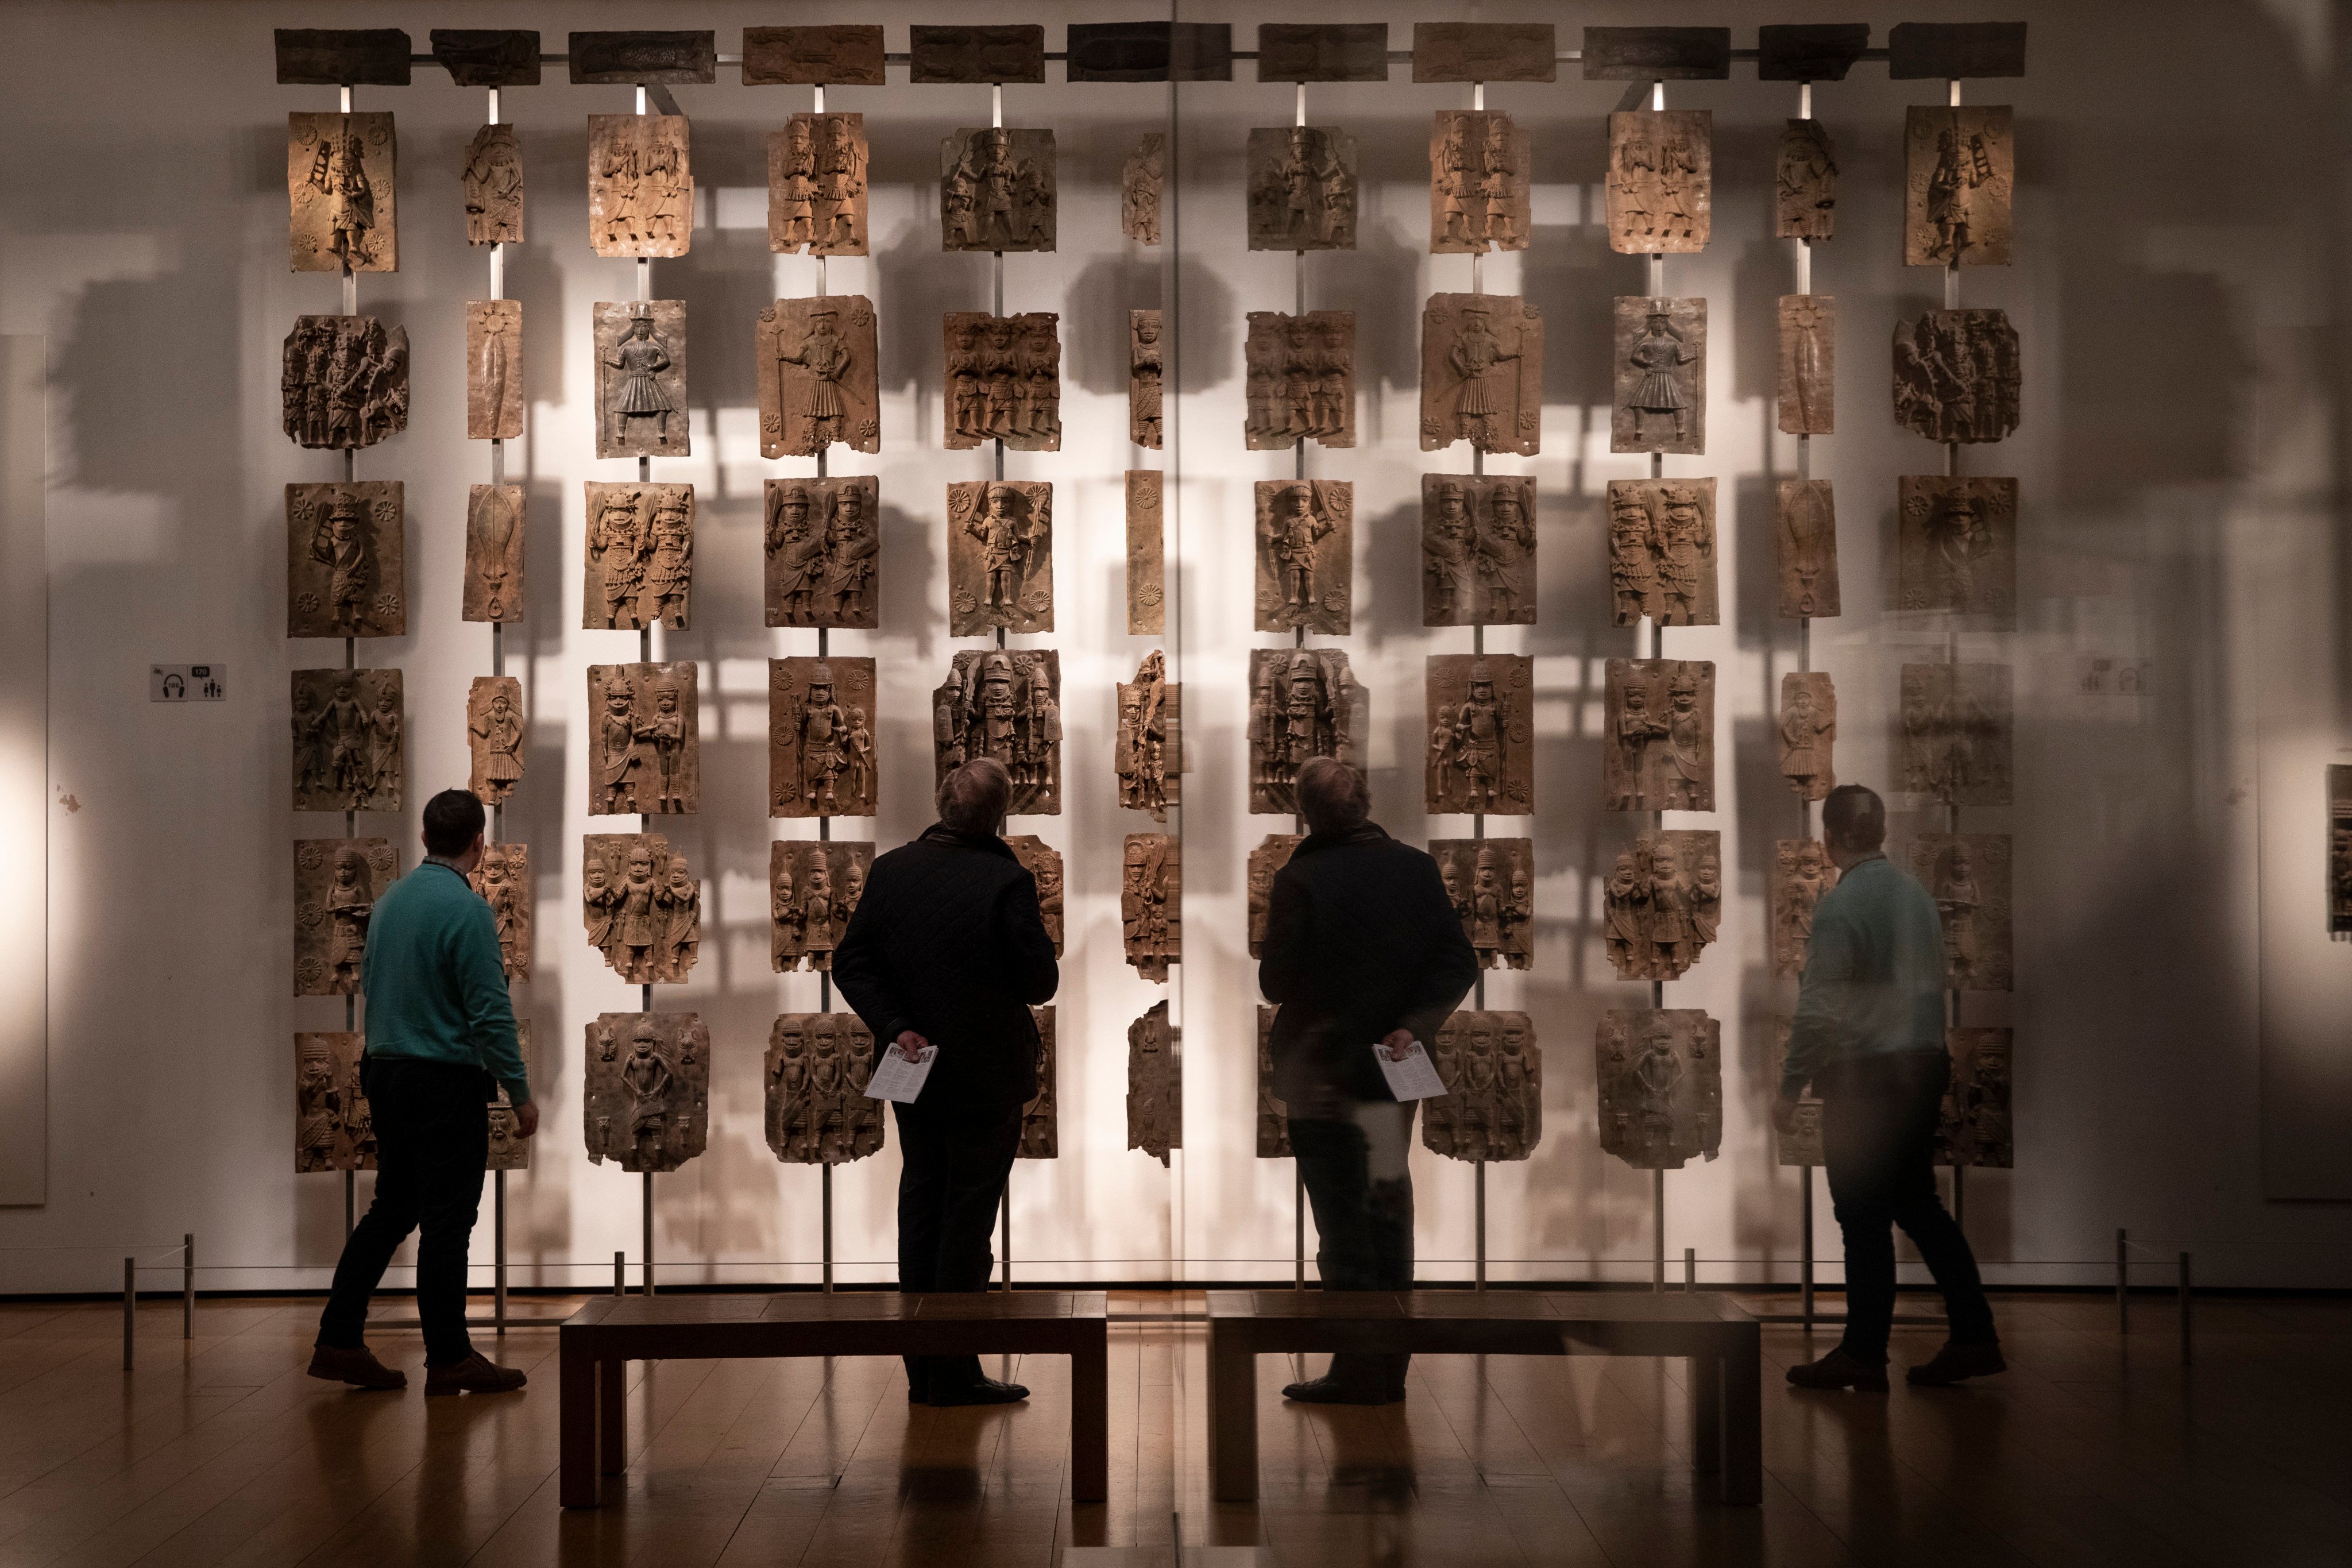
(343, 57)
(1485, 51)
(1953, 49)
(487, 56)
(1150, 51)
(629, 57)
(1323, 51)
(1821, 51)
(848, 54)
(1009, 52)
(1657, 54)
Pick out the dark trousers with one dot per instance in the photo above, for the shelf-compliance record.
(432, 1140)
(1361, 1192)
(953, 1165)
(1878, 1139)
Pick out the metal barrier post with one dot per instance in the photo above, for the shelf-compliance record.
(2187, 1355)
(188, 1286)
(2122, 1282)
(130, 1308)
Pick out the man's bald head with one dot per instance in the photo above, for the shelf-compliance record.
(973, 798)
(1332, 797)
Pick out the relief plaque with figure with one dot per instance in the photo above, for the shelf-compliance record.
(813, 886)
(997, 190)
(1479, 188)
(1975, 1127)
(1004, 380)
(336, 884)
(1808, 732)
(639, 562)
(1956, 543)
(343, 381)
(493, 185)
(1802, 1144)
(1661, 376)
(1302, 188)
(816, 360)
(1804, 539)
(346, 560)
(1041, 1115)
(1155, 1089)
(1000, 556)
(817, 185)
(1304, 703)
(1482, 373)
(1273, 1115)
(333, 1128)
(1477, 550)
(1661, 181)
(1150, 758)
(645, 741)
(1662, 903)
(2339, 847)
(1300, 379)
(1005, 704)
(1659, 754)
(823, 552)
(1481, 742)
(493, 368)
(817, 1067)
(1958, 376)
(341, 186)
(1806, 389)
(1492, 885)
(1958, 733)
(640, 185)
(1271, 854)
(1802, 872)
(822, 714)
(1144, 365)
(494, 737)
(640, 348)
(1661, 1080)
(1151, 903)
(1140, 185)
(503, 882)
(1147, 567)
(1306, 555)
(1492, 1073)
(645, 1095)
(1959, 169)
(1804, 183)
(640, 905)
(347, 733)
(1662, 552)
(508, 1150)
(1968, 876)
(1044, 863)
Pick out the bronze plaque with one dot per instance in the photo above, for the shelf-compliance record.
(503, 882)
(1967, 875)
(619, 59)
(1492, 1073)
(1802, 872)
(1479, 167)
(1959, 172)
(997, 190)
(813, 886)
(348, 732)
(816, 369)
(641, 906)
(1151, 903)
(1957, 730)
(494, 554)
(493, 368)
(824, 553)
(1957, 544)
(343, 57)
(1477, 550)
(1660, 752)
(640, 557)
(1304, 703)
(1662, 552)
(1302, 188)
(1299, 379)
(333, 1127)
(1481, 733)
(1661, 392)
(1956, 375)
(1661, 1082)
(1147, 592)
(1804, 183)
(1000, 556)
(817, 185)
(845, 53)
(344, 381)
(644, 741)
(346, 574)
(1804, 539)
(487, 56)
(1306, 554)
(1481, 373)
(1485, 51)
(1006, 704)
(336, 884)
(1012, 52)
(1149, 755)
(817, 1067)
(646, 1101)
(1807, 380)
(641, 379)
(640, 183)
(1808, 732)
(341, 181)
(1662, 903)
(1661, 181)
(494, 738)
(822, 713)
(1492, 885)
(1004, 380)
(1322, 51)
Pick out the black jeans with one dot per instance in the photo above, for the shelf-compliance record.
(432, 1140)
(1361, 1192)
(1878, 1143)
(953, 1165)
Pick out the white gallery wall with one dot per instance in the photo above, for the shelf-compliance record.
(2181, 1057)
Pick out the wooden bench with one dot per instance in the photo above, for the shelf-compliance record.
(597, 1341)
(1720, 1340)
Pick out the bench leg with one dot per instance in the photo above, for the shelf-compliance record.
(1090, 1417)
(576, 1396)
(612, 1415)
(1233, 1414)
(1707, 1412)
(1743, 1420)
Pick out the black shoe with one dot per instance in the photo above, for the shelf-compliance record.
(1323, 1391)
(1839, 1369)
(356, 1365)
(987, 1391)
(1955, 1362)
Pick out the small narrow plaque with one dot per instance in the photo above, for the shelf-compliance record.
(1150, 51)
(845, 55)
(1657, 54)
(621, 58)
(1485, 51)
(1953, 50)
(1821, 51)
(1323, 51)
(343, 57)
(1014, 52)
(487, 56)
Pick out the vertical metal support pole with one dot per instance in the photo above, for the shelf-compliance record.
(2186, 1347)
(1478, 1168)
(1805, 1269)
(2122, 1283)
(1658, 1232)
(188, 1286)
(828, 1228)
(1298, 1227)
(130, 1308)
(649, 1233)
(1690, 1270)
(1004, 1233)
(620, 1273)
(498, 1242)
(351, 1195)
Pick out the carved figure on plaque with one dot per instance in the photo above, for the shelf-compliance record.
(340, 185)
(1143, 372)
(1957, 544)
(641, 379)
(640, 556)
(1492, 883)
(346, 560)
(1804, 183)
(1478, 182)
(814, 886)
(1802, 872)
(2339, 847)
(1967, 874)
(1802, 1144)
(1041, 1116)
(1808, 727)
(824, 553)
(493, 182)
(647, 1099)
(816, 1071)
(1477, 550)
(1273, 1115)
(1306, 554)
(1956, 375)
(1661, 376)
(640, 185)
(1005, 704)
(1975, 1127)
(1139, 186)
(493, 368)
(1300, 379)
(1807, 388)
(1481, 733)
(1959, 169)
(1492, 1073)
(1303, 703)
(1004, 380)
(344, 381)
(1000, 556)
(1147, 588)
(816, 362)
(645, 746)
(1660, 752)
(1151, 903)
(1662, 552)
(494, 734)
(1273, 853)
(336, 884)
(822, 715)
(1481, 373)
(1660, 1075)
(1662, 902)
(1956, 732)
(996, 190)
(494, 553)
(642, 907)
(1043, 864)
(1805, 539)
(1302, 188)
(1150, 759)
(333, 1129)
(817, 185)
(503, 880)
(1155, 1090)
(347, 739)
(1661, 181)
(509, 1151)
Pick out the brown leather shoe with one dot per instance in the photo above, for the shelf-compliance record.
(1839, 1369)
(1956, 1362)
(476, 1375)
(356, 1365)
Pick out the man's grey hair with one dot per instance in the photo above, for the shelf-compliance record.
(973, 798)
(1332, 797)
(1854, 818)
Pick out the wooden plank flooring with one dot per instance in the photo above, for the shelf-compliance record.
(220, 1452)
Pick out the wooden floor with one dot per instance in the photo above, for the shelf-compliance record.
(2089, 1452)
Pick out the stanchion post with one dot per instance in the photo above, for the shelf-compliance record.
(1004, 1233)
(1690, 1270)
(129, 1308)
(827, 1195)
(2187, 1349)
(1805, 1265)
(1658, 1233)
(620, 1273)
(649, 1233)
(498, 1263)
(188, 1286)
(2122, 1282)
(1480, 1279)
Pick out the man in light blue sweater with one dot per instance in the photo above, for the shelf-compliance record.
(440, 1039)
(1869, 1037)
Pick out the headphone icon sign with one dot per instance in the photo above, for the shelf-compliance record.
(174, 686)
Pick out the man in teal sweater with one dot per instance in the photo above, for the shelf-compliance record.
(1869, 1037)
(440, 1039)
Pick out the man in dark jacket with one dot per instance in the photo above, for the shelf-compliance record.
(948, 948)
(1363, 945)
